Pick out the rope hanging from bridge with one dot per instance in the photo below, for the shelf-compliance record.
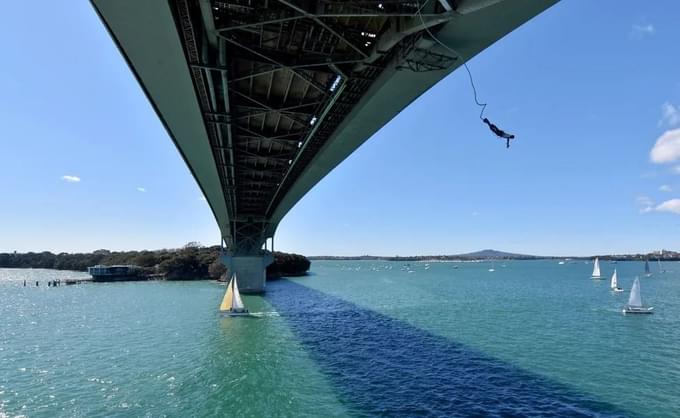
(497, 131)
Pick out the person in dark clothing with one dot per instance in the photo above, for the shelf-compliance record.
(500, 133)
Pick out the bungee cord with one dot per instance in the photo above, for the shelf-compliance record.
(497, 131)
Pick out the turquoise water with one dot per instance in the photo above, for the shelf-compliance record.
(352, 339)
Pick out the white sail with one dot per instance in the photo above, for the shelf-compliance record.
(237, 305)
(635, 299)
(596, 269)
(615, 282)
(228, 300)
(646, 267)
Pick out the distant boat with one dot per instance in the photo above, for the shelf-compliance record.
(493, 266)
(232, 305)
(647, 272)
(596, 269)
(634, 305)
(615, 283)
(561, 263)
(661, 270)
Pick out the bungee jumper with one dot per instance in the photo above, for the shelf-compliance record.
(499, 132)
(495, 129)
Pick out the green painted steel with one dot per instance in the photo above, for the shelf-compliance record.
(147, 35)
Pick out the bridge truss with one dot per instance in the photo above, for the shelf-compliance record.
(275, 78)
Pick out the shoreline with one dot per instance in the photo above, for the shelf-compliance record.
(191, 262)
(479, 260)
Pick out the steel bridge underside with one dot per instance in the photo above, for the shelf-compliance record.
(264, 97)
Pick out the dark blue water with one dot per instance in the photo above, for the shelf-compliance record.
(385, 367)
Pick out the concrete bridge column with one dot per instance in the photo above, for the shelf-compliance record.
(250, 270)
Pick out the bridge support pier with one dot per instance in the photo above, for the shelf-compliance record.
(251, 270)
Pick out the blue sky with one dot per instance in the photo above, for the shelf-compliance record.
(591, 89)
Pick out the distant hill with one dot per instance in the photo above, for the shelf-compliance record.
(488, 253)
(664, 255)
(469, 256)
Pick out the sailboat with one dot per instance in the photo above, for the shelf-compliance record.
(635, 301)
(661, 270)
(232, 305)
(596, 269)
(615, 283)
(647, 272)
(493, 266)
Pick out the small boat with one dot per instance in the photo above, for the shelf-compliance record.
(661, 270)
(561, 263)
(493, 266)
(596, 270)
(634, 305)
(615, 283)
(232, 305)
(647, 272)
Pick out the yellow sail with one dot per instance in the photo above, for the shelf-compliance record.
(228, 300)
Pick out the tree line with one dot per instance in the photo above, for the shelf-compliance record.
(193, 261)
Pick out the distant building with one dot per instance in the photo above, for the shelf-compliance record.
(116, 273)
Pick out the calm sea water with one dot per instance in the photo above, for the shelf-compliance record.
(352, 339)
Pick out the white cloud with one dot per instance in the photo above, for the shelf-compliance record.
(71, 179)
(645, 203)
(665, 188)
(141, 189)
(670, 115)
(640, 31)
(667, 147)
(672, 206)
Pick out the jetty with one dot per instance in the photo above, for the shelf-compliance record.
(69, 282)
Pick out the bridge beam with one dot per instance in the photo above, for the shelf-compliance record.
(250, 270)
(263, 98)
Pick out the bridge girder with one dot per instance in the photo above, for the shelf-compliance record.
(283, 90)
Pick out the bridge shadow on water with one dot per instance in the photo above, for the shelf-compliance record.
(384, 367)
